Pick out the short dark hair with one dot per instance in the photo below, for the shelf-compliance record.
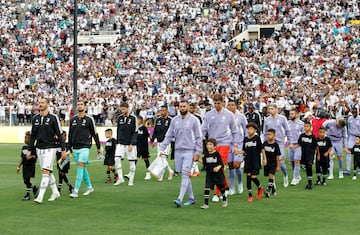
(218, 97)
(164, 106)
(341, 123)
(322, 128)
(307, 123)
(192, 105)
(213, 141)
(108, 130)
(140, 118)
(252, 125)
(271, 130)
(124, 105)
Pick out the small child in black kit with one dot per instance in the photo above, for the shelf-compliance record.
(28, 168)
(214, 175)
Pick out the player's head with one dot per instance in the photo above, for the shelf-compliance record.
(140, 120)
(164, 111)
(251, 108)
(80, 106)
(218, 102)
(64, 135)
(124, 107)
(27, 137)
(44, 103)
(232, 105)
(252, 128)
(307, 127)
(357, 140)
(184, 107)
(340, 123)
(294, 114)
(108, 133)
(354, 112)
(192, 108)
(272, 109)
(322, 132)
(270, 134)
(211, 144)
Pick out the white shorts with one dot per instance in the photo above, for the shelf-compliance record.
(46, 158)
(122, 150)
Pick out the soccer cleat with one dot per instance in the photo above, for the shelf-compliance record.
(71, 189)
(190, 202)
(215, 198)
(26, 197)
(224, 203)
(170, 175)
(294, 182)
(204, 206)
(108, 181)
(323, 183)
(88, 192)
(354, 177)
(131, 183)
(318, 182)
(250, 199)
(330, 177)
(286, 181)
(127, 176)
(74, 194)
(177, 203)
(240, 188)
(160, 178)
(147, 176)
(37, 201)
(231, 192)
(309, 186)
(347, 172)
(259, 193)
(35, 190)
(116, 177)
(267, 193)
(119, 181)
(196, 174)
(341, 175)
(176, 173)
(53, 197)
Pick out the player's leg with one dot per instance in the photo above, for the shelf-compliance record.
(132, 157)
(256, 181)
(231, 174)
(108, 176)
(187, 163)
(119, 154)
(224, 153)
(206, 198)
(223, 193)
(338, 147)
(324, 167)
(309, 174)
(291, 158)
(318, 172)
(179, 159)
(60, 181)
(356, 166)
(238, 172)
(28, 188)
(282, 159)
(351, 143)
(248, 185)
(147, 164)
(331, 163)
(297, 157)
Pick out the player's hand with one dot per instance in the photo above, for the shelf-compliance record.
(292, 147)
(196, 157)
(216, 169)
(264, 162)
(17, 170)
(235, 150)
(63, 155)
(153, 144)
(100, 151)
(277, 169)
(130, 148)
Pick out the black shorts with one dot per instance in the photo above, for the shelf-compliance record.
(356, 163)
(305, 160)
(109, 161)
(29, 171)
(270, 168)
(213, 179)
(143, 154)
(252, 171)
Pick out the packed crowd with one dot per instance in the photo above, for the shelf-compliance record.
(169, 50)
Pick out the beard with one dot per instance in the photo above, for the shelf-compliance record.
(184, 112)
(292, 118)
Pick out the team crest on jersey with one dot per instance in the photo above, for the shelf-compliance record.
(129, 121)
(108, 144)
(47, 121)
(37, 122)
(83, 122)
(74, 123)
(211, 160)
(166, 123)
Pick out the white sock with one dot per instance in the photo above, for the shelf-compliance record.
(132, 171)
(43, 185)
(118, 167)
(196, 166)
(52, 184)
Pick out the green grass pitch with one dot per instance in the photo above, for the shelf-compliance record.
(147, 207)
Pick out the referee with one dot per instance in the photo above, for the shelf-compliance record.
(45, 137)
(82, 130)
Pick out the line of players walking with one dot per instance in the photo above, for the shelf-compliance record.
(232, 139)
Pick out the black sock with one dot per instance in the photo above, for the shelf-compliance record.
(60, 178)
(108, 174)
(206, 196)
(248, 184)
(223, 194)
(309, 172)
(256, 181)
(65, 179)
(324, 178)
(270, 184)
(147, 163)
(293, 165)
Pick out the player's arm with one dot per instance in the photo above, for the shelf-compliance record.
(318, 153)
(94, 134)
(264, 157)
(19, 166)
(277, 163)
(58, 132)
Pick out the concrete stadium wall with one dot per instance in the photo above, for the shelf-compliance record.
(12, 135)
